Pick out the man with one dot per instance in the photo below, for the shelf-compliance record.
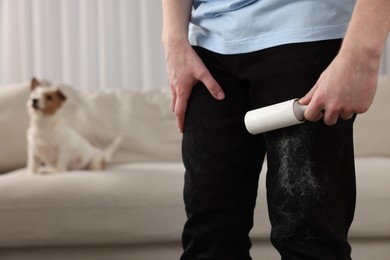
(227, 57)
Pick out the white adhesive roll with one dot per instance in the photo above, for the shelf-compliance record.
(274, 117)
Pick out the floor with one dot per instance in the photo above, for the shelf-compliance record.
(362, 250)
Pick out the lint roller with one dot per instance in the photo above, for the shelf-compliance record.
(276, 116)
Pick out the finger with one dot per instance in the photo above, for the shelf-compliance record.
(212, 85)
(330, 118)
(182, 97)
(173, 99)
(314, 111)
(180, 110)
(346, 116)
(313, 115)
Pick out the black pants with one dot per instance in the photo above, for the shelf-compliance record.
(310, 180)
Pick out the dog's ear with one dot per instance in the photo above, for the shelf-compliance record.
(61, 95)
(34, 84)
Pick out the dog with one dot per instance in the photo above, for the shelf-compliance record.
(54, 144)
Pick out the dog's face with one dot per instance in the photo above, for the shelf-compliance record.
(44, 99)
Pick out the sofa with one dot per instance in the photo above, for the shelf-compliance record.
(134, 208)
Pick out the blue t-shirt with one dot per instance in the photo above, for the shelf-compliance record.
(241, 26)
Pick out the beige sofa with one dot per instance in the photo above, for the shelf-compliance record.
(134, 209)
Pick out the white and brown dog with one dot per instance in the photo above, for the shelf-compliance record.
(52, 142)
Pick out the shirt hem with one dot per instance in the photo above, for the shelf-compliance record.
(265, 41)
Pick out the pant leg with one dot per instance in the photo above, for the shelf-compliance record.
(311, 190)
(222, 164)
(311, 178)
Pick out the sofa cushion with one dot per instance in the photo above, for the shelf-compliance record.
(13, 126)
(129, 203)
(372, 212)
(142, 203)
(142, 117)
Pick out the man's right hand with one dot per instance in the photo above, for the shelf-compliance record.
(185, 69)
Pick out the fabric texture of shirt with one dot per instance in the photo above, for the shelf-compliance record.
(242, 26)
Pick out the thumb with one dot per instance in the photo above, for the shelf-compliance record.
(307, 98)
(313, 112)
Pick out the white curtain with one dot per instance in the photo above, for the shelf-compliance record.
(86, 43)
